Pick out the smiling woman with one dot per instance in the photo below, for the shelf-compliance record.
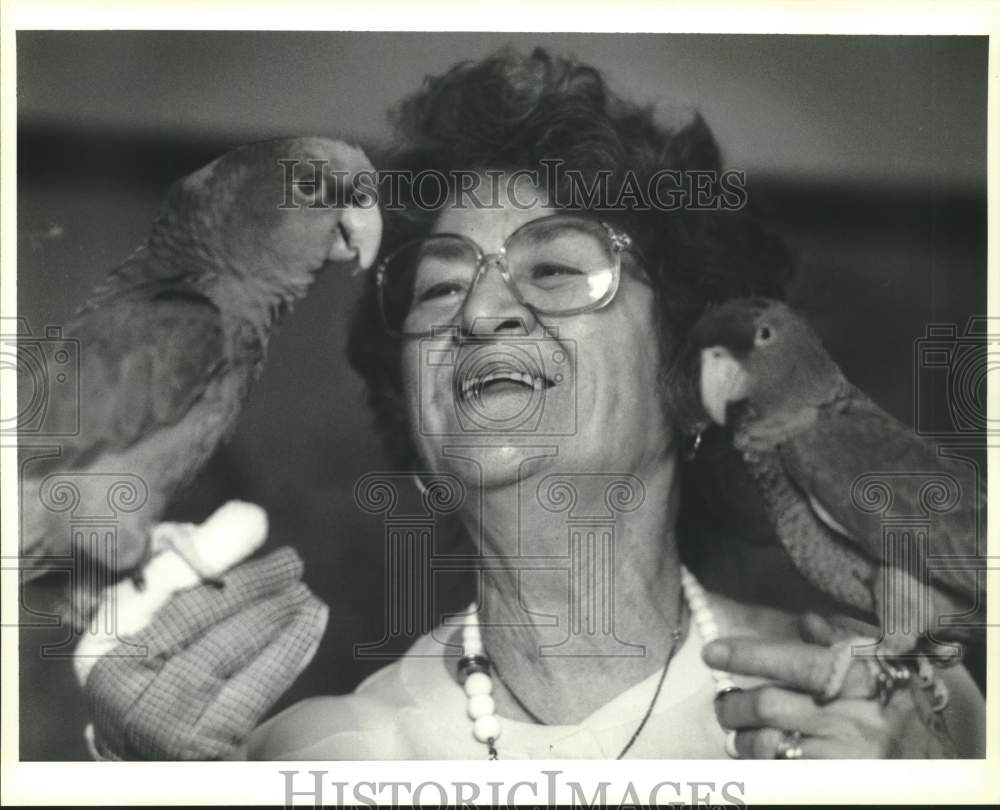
(600, 651)
(527, 366)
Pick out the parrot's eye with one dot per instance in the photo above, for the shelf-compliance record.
(309, 192)
(764, 335)
(363, 195)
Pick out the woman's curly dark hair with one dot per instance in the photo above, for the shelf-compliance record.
(511, 111)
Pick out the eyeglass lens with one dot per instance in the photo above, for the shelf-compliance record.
(557, 264)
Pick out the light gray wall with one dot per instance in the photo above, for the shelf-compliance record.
(842, 107)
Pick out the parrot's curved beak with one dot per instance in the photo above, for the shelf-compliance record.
(359, 235)
(723, 380)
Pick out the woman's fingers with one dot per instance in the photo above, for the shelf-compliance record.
(764, 716)
(763, 743)
(804, 666)
(189, 711)
(248, 694)
(817, 630)
(214, 716)
(793, 711)
(191, 613)
(852, 725)
(176, 665)
(770, 706)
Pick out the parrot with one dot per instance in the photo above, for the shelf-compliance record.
(808, 436)
(172, 340)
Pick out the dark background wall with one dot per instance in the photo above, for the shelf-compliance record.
(867, 153)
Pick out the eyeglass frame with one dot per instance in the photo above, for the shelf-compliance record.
(620, 242)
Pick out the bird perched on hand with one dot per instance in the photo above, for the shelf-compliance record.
(809, 438)
(172, 340)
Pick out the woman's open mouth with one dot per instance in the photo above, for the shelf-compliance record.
(498, 392)
(501, 382)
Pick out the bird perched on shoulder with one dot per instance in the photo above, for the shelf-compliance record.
(171, 342)
(809, 437)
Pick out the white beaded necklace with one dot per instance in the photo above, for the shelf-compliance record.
(474, 668)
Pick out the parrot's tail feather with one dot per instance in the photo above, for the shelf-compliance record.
(30, 571)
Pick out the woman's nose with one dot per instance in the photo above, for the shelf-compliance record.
(491, 306)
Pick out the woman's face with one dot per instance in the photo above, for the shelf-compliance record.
(596, 404)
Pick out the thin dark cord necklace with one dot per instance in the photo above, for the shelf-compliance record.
(475, 666)
(676, 636)
(535, 718)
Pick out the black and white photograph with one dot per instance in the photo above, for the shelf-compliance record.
(487, 397)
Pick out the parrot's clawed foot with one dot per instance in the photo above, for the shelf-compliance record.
(940, 695)
(942, 655)
(929, 680)
(888, 674)
(889, 671)
(925, 672)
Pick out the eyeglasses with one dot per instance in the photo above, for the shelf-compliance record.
(563, 264)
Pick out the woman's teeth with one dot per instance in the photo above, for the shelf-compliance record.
(479, 383)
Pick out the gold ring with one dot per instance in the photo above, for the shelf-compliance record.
(725, 690)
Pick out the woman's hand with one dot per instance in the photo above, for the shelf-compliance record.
(854, 726)
(207, 662)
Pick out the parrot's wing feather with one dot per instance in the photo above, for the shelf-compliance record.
(828, 519)
(854, 437)
(144, 361)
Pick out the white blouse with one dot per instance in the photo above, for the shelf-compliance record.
(415, 708)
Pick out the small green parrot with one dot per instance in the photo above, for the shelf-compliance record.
(172, 340)
(808, 437)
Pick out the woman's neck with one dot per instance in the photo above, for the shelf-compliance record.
(578, 603)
